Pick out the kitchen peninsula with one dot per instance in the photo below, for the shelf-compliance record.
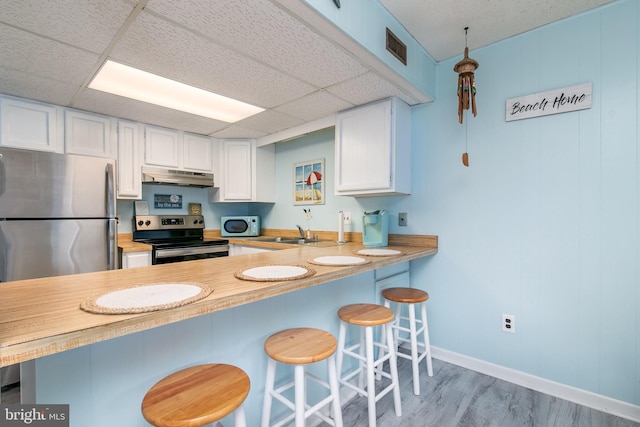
(86, 359)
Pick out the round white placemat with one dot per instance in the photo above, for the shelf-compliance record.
(339, 260)
(274, 273)
(378, 252)
(145, 298)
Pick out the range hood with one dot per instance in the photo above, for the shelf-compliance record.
(176, 177)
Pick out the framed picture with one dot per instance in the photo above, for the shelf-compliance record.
(308, 183)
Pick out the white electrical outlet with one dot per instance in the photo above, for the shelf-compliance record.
(509, 323)
(346, 217)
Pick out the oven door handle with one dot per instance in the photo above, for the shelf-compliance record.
(166, 253)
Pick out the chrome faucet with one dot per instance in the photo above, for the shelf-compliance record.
(301, 231)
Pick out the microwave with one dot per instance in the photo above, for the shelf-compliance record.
(239, 226)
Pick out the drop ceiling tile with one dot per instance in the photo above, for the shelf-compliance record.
(125, 108)
(269, 121)
(367, 88)
(19, 83)
(161, 47)
(39, 56)
(88, 24)
(235, 131)
(267, 33)
(314, 106)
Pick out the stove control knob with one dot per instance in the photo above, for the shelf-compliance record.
(147, 223)
(200, 222)
(195, 221)
(140, 223)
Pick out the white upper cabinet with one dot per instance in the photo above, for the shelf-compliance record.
(129, 147)
(197, 153)
(373, 149)
(178, 150)
(245, 173)
(162, 147)
(89, 134)
(30, 125)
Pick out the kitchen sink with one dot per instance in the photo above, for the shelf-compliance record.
(292, 241)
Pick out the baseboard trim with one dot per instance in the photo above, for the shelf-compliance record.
(572, 394)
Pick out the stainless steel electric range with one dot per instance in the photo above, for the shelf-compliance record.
(176, 238)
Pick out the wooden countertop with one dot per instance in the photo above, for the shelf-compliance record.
(39, 317)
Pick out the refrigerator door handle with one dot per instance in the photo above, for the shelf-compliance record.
(112, 245)
(112, 237)
(110, 192)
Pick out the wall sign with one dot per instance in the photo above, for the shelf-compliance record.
(167, 201)
(551, 102)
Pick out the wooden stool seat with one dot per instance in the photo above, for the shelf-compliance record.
(405, 295)
(368, 367)
(300, 346)
(196, 396)
(365, 314)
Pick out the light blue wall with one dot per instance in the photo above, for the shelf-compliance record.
(544, 222)
(284, 214)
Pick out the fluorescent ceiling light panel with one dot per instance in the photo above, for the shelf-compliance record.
(136, 84)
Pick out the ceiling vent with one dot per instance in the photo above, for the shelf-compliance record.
(396, 47)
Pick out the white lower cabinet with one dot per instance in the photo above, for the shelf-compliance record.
(31, 125)
(128, 164)
(135, 259)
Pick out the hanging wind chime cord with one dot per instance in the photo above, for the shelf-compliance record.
(465, 155)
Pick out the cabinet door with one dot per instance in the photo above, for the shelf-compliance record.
(129, 179)
(197, 153)
(364, 148)
(237, 170)
(87, 134)
(162, 147)
(29, 125)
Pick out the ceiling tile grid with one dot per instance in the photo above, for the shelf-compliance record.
(367, 88)
(163, 48)
(266, 33)
(20, 83)
(234, 131)
(86, 24)
(314, 106)
(39, 56)
(270, 121)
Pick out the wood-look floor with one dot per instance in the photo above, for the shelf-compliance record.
(456, 396)
(459, 397)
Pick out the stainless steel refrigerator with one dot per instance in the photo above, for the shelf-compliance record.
(57, 217)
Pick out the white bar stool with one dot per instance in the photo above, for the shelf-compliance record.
(369, 316)
(197, 396)
(300, 347)
(409, 297)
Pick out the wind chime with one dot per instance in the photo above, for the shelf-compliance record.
(466, 88)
